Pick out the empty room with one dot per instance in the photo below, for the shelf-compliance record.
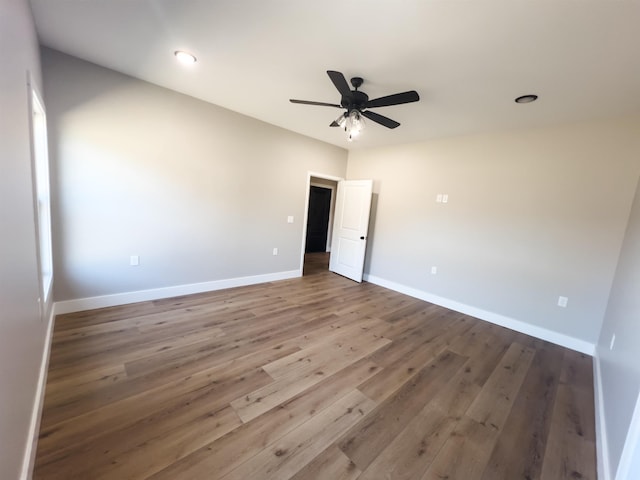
(328, 240)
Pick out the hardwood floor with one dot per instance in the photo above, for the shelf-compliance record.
(315, 263)
(311, 378)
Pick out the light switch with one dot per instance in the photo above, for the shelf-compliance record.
(134, 260)
(445, 198)
(562, 301)
(275, 250)
(290, 219)
(439, 198)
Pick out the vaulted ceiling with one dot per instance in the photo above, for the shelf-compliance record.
(467, 59)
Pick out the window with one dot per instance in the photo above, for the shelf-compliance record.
(42, 198)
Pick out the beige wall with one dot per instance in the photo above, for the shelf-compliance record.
(200, 193)
(531, 216)
(620, 365)
(22, 331)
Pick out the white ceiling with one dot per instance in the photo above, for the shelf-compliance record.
(468, 60)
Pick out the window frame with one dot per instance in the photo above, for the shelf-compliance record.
(41, 193)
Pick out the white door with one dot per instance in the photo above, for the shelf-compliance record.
(350, 226)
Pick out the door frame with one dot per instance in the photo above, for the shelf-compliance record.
(303, 243)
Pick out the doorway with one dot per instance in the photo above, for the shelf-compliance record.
(318, 219)
(320, 211)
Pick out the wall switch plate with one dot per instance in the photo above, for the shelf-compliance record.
(562, 301)
(434, 270)
(613, 341)
(290, 219)
(275, 250)
(134, 260)
(445, 198)
(439, 198)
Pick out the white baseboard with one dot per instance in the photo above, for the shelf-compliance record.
(602, 448)
(90, 303)
(28, 460)
(517, 325)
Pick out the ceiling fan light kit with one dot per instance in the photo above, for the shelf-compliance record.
(357, 105)
(354, 125)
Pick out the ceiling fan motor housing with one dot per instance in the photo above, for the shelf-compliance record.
(355, 100)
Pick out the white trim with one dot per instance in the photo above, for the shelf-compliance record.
(631, 446)
(324, 176)
(28, 459)
(602, 445)
(517, 325)
(90, 303)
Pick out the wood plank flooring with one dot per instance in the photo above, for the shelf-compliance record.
(310, 378)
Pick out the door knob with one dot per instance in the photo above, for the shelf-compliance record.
(361, 238)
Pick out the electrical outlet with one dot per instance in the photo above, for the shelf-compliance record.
(613, 341)
(434, 270)
(562, 301)
(134, 260)
(275, 250)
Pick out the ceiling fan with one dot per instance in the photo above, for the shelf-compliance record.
(357, 105)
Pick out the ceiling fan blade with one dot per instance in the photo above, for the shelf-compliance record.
(321, 104)
(340, 82)
(395, 99)
(381, 119)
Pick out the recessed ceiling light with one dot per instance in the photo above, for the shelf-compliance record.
(185, 58)
(527, 98)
